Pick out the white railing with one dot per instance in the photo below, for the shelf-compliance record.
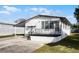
(44, 31)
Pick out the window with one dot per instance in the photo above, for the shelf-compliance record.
(42, 24)
(51, 24)
(47, 24)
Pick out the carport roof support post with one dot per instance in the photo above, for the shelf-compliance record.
(25, 31)
(15, 31)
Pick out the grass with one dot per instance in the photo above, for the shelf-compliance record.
(68, 45)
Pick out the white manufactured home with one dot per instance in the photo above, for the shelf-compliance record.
(46, 28)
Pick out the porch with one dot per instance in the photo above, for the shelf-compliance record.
(46, 28)
(44, 32)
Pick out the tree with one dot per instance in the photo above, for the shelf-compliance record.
(20, 20)
(76, 14)
(74, 26)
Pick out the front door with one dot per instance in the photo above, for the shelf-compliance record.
(30, 28)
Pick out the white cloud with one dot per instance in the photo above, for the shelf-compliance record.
(43, 11)
(4, 12)
(9, 9)
(34, 9)
(47, 12)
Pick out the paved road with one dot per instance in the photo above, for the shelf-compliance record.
(18, 45)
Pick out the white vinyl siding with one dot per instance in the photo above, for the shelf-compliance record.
(6, 29)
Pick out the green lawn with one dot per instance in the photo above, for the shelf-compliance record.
(68, 45)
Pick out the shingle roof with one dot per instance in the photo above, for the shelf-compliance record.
(63, 19)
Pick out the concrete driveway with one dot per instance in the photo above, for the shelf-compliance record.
(18, 45)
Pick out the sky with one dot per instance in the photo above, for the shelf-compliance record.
(11, 13)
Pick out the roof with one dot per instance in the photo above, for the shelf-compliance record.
(6, 23)
(63, 19)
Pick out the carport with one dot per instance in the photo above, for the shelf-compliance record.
(22, 25)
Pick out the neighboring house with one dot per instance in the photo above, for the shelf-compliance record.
(6, 29)
(46, 28)
(9, 29)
